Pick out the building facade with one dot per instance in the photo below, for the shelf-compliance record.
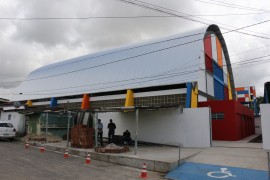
(170, 73)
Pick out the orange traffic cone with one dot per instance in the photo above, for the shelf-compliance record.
(26, 146)
(88, 160)
(144, 173)
(42, 149)
(66, 153)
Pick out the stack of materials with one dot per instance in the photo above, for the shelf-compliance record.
(82, 137)
(112, 148)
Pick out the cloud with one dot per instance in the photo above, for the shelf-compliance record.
(27, 45)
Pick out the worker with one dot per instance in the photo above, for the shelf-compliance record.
(127, 138)
(100, 131)
(111, 127)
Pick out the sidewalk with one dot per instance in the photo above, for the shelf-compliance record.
(157, 158)
(240, 154)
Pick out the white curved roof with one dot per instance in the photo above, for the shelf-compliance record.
(171, 60)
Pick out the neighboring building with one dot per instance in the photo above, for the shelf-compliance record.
(166, 74)
(16, 119)
(247, 97)
(266, 93)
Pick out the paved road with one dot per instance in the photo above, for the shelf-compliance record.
(19, 163)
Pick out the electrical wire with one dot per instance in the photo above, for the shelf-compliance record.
(150, 78)
(176, 13)
(124, 59)
(123, 17)
(241, 6)
(218, 3)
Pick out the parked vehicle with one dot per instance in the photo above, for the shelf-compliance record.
(7, 131)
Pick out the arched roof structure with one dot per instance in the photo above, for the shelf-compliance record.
(171, 60)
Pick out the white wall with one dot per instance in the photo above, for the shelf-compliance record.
(190, 128)
(265, 120)
(17, 119)
(258, 126)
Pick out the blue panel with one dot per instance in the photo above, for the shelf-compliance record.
(197, 171)
(220, 81)
(188, 98)
(242, 92)
(217, 71)
(53, 102)
(218, 90)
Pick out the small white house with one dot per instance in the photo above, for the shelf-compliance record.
(15, 118)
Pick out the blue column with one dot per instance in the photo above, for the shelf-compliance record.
(188, 98)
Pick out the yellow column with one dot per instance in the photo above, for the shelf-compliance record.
(129, 98)
(229, 88)
(194, 96)
(29, 103)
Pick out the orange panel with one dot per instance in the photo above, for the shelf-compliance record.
(240, 89)
(85, 102)
(219, 53)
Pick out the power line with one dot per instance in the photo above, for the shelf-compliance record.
(254, 49)
(241, 6)
(124, 59)
(121, 17)
(173, 12)
(237, 65)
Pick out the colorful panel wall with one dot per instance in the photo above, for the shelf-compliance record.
(216, 70)
(246, 94)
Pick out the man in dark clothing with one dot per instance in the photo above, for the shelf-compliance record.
(100, 131)
(127, 138)
(111, 127)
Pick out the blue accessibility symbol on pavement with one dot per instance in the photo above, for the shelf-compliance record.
(197, 171)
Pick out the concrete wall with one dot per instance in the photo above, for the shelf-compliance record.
(190, 128)
(258, 126)
(17, 119)
(265, 114)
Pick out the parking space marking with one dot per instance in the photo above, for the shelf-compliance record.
(194, 171)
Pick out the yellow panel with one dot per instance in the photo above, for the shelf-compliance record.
(29, 103)
(229, 88)
(219, 53)
(129, 98)
(194, 96)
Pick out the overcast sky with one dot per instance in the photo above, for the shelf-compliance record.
(26, 44)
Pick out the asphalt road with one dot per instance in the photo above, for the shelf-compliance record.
(18, 163)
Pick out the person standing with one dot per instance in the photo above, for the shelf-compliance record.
(100, 131)
(111, 127)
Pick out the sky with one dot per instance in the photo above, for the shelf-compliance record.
(37, 33)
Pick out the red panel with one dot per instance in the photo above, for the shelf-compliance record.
(241, 99)
(233, 127)
(251, 90)
(226, 93)
(208, 64)
(208, 46)
(208, 53)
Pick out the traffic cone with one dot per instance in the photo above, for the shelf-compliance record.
(144, 173)
(66, 154)
(26, 146)
(88, 160)
(42, 149)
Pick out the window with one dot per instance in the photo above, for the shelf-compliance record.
(217, 116)
(9, 117)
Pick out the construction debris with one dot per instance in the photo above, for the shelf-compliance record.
(112, 148)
